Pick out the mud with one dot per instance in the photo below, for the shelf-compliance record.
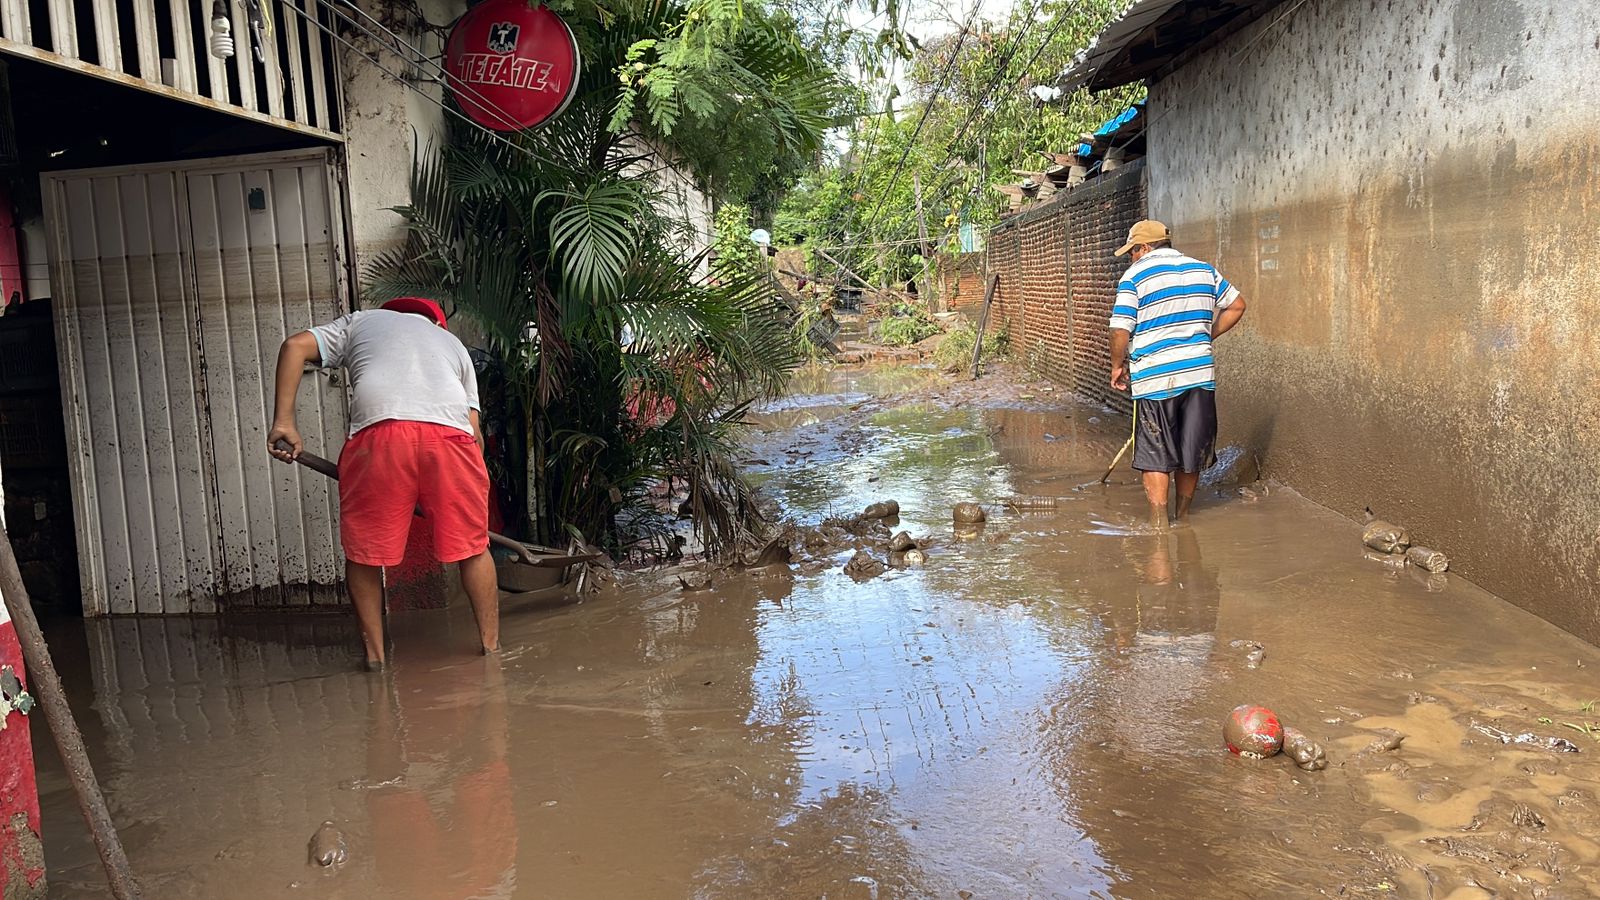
(1029, 717)
(968, 514)
(327, 847)
(1430, 561)
(1385, 538)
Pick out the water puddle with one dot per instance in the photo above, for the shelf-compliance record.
(1036, 712)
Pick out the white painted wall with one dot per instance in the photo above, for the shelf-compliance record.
(385, 122)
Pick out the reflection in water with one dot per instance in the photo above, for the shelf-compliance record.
(1036, 713)
(439, 783)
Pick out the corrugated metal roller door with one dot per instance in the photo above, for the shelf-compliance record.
(174, 286)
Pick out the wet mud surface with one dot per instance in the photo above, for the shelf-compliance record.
(1035, 710)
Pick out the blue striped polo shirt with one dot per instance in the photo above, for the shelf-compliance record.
(1168, 302)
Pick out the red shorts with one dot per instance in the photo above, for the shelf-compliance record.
(389, 469)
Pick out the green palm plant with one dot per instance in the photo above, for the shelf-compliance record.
(616, 365)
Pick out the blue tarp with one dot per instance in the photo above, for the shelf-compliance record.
(1111, 127)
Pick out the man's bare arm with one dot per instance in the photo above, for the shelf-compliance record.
(1119, 359)
(477, 429)
(296, 351)
(1228, 318)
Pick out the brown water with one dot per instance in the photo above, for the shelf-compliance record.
(1036, 713)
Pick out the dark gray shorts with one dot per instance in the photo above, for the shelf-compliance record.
(1176, 433)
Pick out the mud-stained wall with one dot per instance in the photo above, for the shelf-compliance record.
(1407, 194)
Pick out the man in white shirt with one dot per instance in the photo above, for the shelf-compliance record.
(414, 442)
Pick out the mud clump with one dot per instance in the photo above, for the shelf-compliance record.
(327, 847)
(863, 566)
(776, 553)
(1385, 537)
(1431, 561)
(1253, 732)
(902, 542)
(885, 509)
(1256, 654)
(1306, 753)
(1388, 739)
(969, 514)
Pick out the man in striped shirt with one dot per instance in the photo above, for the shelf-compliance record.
(1169, 308)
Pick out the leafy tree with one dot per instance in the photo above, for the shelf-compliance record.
(614, 367)
(971, 120)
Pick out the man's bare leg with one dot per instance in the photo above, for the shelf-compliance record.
(483, 589)
(366, 594)
(1187, 483)
(1155, 488)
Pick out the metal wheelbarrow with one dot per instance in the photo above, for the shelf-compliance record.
(519, 568)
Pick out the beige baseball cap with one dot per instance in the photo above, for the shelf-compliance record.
(1146, 232)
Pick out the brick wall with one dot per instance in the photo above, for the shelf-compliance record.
(1058, 278)
(961, 281)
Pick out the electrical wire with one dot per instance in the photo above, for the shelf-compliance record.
(927, 109)
(333, 33)
(462, 89)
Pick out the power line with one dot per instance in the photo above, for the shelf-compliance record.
(333, 33)
(927, 109)
(462, 88)
(1000, 72)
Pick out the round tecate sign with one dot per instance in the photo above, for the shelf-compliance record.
(512, 66)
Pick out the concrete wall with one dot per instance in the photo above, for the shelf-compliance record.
(1407, 194)
(386, 121)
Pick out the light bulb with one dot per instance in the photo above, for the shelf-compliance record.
(221, 37)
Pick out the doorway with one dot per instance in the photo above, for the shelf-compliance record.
(173, 286)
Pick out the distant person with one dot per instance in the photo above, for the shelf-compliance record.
(414, 441)
(1169, 308)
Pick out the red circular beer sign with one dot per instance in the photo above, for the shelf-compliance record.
(512, 66)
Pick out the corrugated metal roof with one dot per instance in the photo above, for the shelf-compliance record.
(1152, 35)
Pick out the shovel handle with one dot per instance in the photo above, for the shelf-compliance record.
(312, 461)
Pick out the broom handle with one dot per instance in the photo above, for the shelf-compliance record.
(58, 716)
(1118, 458)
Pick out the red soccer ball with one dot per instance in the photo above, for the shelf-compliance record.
(1253, 731)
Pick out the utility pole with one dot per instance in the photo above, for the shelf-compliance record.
(922, 240)
(922, 221)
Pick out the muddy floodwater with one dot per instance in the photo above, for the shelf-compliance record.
(1036, 711)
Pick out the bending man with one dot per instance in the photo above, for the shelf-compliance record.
(1169, 308)
(414, 441)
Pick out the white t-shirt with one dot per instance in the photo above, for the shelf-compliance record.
(402, 366)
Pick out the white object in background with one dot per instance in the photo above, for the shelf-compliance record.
(1045, 93)
(221, 33)
(760, 236)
